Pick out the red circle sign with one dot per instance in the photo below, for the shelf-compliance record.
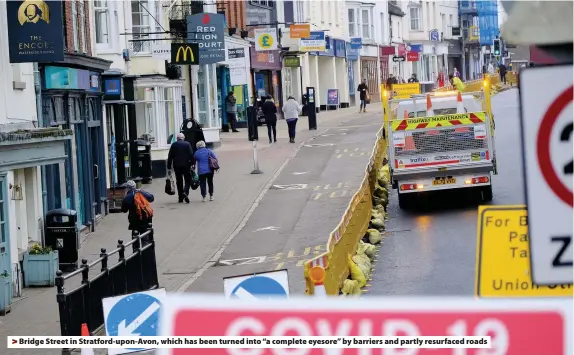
(543, 146)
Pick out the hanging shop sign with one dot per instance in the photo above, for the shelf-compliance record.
(270, 60)
(412, 57)
(207, 30)
(356, 43)
(71, 78)
(235, 53)
(398, 59)
(314, 43)
(402, 50)
(434, 35)
(161, 51)
(35, 31)
(265, 39)
(292, 62)
(185, 53)
(300, 30)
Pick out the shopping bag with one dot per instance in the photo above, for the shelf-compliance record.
(169, 184)
(368, 98)
(194, 180)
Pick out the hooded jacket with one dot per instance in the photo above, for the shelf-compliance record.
(291, 110)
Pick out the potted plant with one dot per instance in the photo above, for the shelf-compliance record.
(5, 292)
(40, 266)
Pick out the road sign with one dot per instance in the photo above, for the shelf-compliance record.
(135, 314)
(265, 39)
(503, 256)
(517, 327)
(546, 121)
(397, 58)
(261, 285)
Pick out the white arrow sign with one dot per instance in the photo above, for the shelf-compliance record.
(243, 261)
(128, 330)
(289, 187)
(270, 228)
(300, 173)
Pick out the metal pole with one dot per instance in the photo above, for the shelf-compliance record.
(463, 57)
(38, 90)
(255, 160)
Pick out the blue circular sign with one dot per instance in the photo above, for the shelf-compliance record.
(259, 287)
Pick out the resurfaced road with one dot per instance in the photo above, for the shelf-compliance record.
(433, 251)
(307, 200)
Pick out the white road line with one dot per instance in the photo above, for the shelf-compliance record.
(244, 294)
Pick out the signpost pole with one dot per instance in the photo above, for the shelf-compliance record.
(255, 160)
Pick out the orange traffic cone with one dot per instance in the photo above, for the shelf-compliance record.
(430, 111)
(459, 103)
(86, 333)
(409, 143)
(406, 114)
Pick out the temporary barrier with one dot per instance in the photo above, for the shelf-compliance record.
(82, 304)
(344, 239)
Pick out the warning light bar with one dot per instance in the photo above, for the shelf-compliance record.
(410, 187)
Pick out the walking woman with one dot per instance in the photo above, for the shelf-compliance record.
(270, 112)
(291, 111)
(204, 169)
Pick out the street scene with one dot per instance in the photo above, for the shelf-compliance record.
(323, 172)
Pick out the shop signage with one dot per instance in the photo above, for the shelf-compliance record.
(300, 31)
(292, 62)
(314, 43)
(415, 48)
(412, 57)
(207, 30)
(234, 53)
(352, 54)
(333, 97)
(265, 39)
(401, 50)
(35, 31)
(339, 46)
(185, 53)
(270, 60)
(386, 50)
(329, 48)
(434, 35)
(399, 59)
(113, 87)
(161, 51)
(67, 78)
(356, 43)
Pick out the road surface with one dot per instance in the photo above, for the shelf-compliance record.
(307, 200)
(433, 251)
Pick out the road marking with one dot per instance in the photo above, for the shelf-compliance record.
(319, 145)
(270, 228)
(289, 187)
(243, 261)
(280, 259)
(300, 173)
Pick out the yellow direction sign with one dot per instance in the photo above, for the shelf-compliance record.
(404, 91)
(503, 256)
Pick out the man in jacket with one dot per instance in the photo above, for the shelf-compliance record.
(413, 79)
(180, 156)
(231, 109)
(291, 111)
(363, 90)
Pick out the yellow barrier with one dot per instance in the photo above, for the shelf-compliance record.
(475, 85)
(344, 239)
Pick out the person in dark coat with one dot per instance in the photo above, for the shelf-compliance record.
(270, 112)
(363, 90)
(180, 157)
(137, 204)
(502, 69)
(413, 78)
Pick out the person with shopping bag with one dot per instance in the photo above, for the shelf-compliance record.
(181, 158)
(207, 165)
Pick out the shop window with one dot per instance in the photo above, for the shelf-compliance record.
(201, 96)
(170, 118)
(3, 218)
(145, 116)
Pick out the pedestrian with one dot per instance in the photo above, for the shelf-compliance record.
(231, 109)
(291, 112)
(413, 78)
(390, 81)
(502, 72)
(204, 169)
(137, 203)
(180, 157)
(457, 83)
(363, 90)
(491, 68)
(270, 112)
(440, 80)
(456, 73)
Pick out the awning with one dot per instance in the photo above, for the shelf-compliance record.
(27, 149)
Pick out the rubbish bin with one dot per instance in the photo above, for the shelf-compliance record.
(144, 160)
(61, 233)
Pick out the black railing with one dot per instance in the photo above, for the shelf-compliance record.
(132, 273)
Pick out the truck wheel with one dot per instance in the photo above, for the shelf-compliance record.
(487, 193)
(404, 201)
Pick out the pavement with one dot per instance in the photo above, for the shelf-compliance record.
(191, 238)
(432, 251)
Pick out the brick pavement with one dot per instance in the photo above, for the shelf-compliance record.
(187, 235)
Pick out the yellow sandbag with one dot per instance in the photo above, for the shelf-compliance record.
(361, 248)
(378, 224)
(370, 250)
(351, 288)
(356, 273)
(364, 264)
(375, 236)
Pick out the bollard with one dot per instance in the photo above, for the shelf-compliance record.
(122, 251)
(104, 257)
(255, 160)
(85, 271)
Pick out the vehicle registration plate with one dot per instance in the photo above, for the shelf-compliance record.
(443, 181)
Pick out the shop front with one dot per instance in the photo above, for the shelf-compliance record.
(266, 70)
(327, 73)
(384, 53)
(72, 100)
(342, 86)
(353, 72)
(369, 72)
(292, 77)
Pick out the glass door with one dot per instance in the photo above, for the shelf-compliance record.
(5, 264)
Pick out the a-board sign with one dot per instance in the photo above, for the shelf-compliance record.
(503, 256)
(546, 95)
(404, 91)
(516, 327)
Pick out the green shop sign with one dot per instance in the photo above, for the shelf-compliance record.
(292, 62)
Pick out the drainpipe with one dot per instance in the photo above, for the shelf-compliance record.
(38, 90)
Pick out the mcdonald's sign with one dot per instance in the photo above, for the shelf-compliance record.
(185, 53)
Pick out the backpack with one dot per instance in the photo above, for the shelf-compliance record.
(143, 207)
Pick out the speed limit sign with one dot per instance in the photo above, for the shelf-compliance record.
(546, 95)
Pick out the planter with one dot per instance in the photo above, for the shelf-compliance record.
(5, 294)
(40, 270)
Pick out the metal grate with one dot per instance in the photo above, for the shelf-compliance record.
(440, 140)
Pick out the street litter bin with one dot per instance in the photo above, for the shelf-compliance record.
(144, 160)
(61, 233)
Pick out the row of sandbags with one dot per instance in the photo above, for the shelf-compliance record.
(360, 264)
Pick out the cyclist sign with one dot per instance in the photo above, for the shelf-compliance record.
(546, 95)
(265, 39)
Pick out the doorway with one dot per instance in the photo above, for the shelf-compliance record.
(5, 264)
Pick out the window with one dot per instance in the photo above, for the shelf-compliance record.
(158, 16)
(450, 24)
(415, 18)
(82, 25)
(352, 23)
(75, 25)
(300, 13)
(140, 27)
(443, 24)
(3, 218)
(366, 23)
(102, 15)
(383, 39)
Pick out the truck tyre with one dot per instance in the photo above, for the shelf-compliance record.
(487, 193)
(404, 201)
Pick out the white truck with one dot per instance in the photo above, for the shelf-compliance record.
(440, 141)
